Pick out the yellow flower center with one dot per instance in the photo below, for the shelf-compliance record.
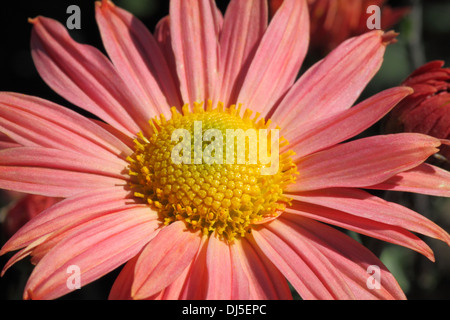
(206, 168)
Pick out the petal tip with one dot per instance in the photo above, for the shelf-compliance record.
(28, 295)
(408, 89)
(104, 4)
(443, 141)
(137, 293)
(33, 20)
(389, 37)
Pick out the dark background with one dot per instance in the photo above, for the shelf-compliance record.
(429, 23)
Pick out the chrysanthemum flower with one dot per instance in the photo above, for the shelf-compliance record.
(428, 109)
(211, 231)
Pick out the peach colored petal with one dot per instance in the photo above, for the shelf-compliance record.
(349, 258)
(164, 40)
(25, 252)
(98, 248)
(302, 265)
(84, 76)
(240, 282)
(194, 31)
(119, 135)
(278, 58)
(58, 183)
(363, 162)
(56, 173)
(188, 285)
(71, 212)
(425, 178)
(264, 279)
(333, 84)
(362, 204)
(6, 142)
(319, 264)
(174, 290)
(63, 160)
(362, 225)
(317, 135)
(196, 283)
(32, 121)
(121, 289)
(218, 267)
(138, 58)
(244, 25)
(164, 259)
(62, 233)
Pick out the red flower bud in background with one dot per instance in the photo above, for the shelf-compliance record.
(427, 110)
(24, 209)
(333, 21)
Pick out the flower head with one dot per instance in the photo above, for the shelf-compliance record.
(148, 186)
(427, 110)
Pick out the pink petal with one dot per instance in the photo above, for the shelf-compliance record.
(302, 264)
(163, 37)
(244, 25)
(363, 204)
(58, 183)
(164, 259)
(6, 142)
(194, 33)
(333, 84)
(363, 162)
(56, 173)
(164, 40)
(218, 265)
(62, 159)
(349, 258)
(32, 121)
(190, 284)
(84, 76)
(278, 58)
(362, 225)
(122, 137)
(121, 289)
(240, 281)
(98, 248)
(317, 135)
(138, 58)
(425, 178)
(173, 291)
(264, 280)
(70, 213)
(195, 285)
(25, 252)
(62, 233)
